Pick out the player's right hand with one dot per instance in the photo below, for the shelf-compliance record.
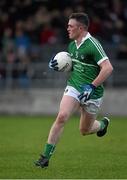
(88, 90)
(53, 64)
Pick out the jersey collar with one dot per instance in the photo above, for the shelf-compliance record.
(83, 40)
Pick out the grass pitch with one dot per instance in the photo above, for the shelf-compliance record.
(22, 139)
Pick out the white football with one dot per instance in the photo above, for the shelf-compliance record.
(64, 61)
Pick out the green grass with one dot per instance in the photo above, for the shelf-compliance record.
(22, 139)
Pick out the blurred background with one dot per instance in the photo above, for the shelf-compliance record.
(32, 31)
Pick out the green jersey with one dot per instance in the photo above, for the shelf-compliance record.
(86, 59)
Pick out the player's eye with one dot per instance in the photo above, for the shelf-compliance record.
(70, 26)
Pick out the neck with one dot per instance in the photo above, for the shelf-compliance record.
(79, 39)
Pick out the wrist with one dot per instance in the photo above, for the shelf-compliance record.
(92, 86)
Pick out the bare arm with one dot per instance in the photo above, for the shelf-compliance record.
(106, 70)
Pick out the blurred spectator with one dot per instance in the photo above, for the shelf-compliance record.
(95, 26)
(8, 41)
(31, 29)
(48, 35)
(4, 21)
(22, 42)
(42, 16)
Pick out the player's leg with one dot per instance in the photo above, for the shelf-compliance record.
(68, 105)
(88, 122)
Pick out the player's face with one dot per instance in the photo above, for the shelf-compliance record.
(73, 29)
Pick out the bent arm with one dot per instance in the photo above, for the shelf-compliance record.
(106, 70)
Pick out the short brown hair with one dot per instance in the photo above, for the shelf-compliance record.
(80, 17)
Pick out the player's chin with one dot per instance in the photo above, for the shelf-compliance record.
(71, 37)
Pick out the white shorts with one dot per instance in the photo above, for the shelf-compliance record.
(92, 106)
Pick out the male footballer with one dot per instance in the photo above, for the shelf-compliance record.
(84, 90)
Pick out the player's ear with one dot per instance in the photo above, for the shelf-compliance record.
(80, 27)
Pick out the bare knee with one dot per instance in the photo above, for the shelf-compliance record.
(61, 118)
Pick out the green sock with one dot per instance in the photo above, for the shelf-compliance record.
(102, 125)
(48, 150)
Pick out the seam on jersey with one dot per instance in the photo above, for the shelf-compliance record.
(98, 48)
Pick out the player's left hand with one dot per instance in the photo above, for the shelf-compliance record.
(53, 64)
(88, 90)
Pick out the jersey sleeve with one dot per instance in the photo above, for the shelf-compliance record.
(98, 52)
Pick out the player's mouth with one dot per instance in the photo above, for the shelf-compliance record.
(69, 34)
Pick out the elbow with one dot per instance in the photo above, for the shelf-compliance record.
(111, 69)
(107, 67)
